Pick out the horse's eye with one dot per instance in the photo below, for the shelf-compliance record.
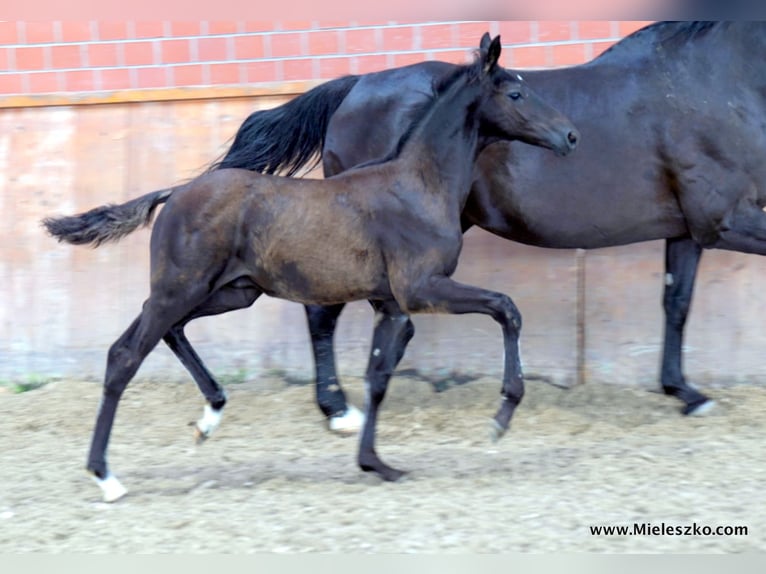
(515, 95)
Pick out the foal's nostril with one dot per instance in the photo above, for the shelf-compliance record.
(572, 138)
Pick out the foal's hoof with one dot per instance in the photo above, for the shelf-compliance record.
(348, 423)
(699, 409)
(205, 426)
(496, 431)
(199, 436)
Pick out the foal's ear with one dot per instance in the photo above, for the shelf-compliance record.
(492, 53)
(484, 43)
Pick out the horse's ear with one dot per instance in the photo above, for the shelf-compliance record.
(484, 43)
(492, 53)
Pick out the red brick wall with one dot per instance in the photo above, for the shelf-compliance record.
(92, 56)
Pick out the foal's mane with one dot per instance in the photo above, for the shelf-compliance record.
(421, 113)
(667, 33)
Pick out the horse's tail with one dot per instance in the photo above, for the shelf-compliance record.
(288, 137)
(107, 222)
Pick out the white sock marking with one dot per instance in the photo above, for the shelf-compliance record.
(209, 421)
(111, 488)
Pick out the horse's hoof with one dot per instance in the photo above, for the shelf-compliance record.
(199, 436)
(111, 489)
(700, 409)
(205, 426)
(348, 423)
(496, 431)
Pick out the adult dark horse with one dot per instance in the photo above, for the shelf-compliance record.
(388, 232)
(673, 148)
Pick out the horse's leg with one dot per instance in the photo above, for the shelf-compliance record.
(682, 256)
(445, 295)
(342, 417)
(229, 298)
(389, 340)
(123, 360)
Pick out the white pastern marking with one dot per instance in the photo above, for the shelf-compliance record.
(669, 279)
(209, 421)
(349, 422)
(111, 488)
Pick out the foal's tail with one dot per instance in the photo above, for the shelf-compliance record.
(107, 222)
(288, 137)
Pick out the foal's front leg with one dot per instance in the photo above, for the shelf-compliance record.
(393, 331)
(442, 294)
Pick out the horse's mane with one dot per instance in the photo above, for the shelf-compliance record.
(666, 33)
(421, 111)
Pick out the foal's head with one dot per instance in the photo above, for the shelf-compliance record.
(513, 111)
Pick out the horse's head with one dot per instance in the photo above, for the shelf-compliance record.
(514, 111)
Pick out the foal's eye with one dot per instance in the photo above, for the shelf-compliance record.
(515, 95)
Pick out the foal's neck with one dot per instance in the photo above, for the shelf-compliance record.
(445, 144)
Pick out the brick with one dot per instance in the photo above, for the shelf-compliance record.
(398, 39)
(138, 53)
(324, 42)
(66, 56)
(11, 84)
(79, 81)
(469, 34)
(115, 79)
(174, 51)
(44, 83)
(189, 75)
(39, 32)
(515, 32)
(151, 77)
(148, 29)
(30, 58)
(527, 57)
(438, 36)
(258, 26)
(249, 47)
(294, 70)
(225, 74)
(287, 45)
(5, 58)
(102, 55)
(594, 30)
(598, 48)
(295, 25)
(261, 72)
(112, 30)
(212, 49)
(361, 41)
(78, 31)
(8, 33)
(331, 68)
(452, 56)
(554, 31)
(371, 63)
(222, 27)
(185, 28)
(627, 27)
(568, 54)
(408, 58)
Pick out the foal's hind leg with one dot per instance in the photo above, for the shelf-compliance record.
(228, 298)
(389, 340)
(124, 358)
(681, 261)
